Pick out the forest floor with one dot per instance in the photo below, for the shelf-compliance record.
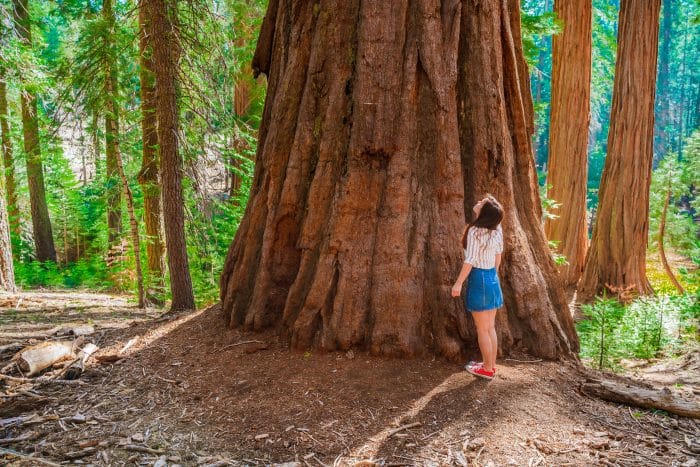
(190, 391)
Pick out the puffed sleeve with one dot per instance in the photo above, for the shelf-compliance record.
(499, 240)
(470, 253)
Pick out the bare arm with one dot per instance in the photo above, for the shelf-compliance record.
(463, 274)
(498, 261)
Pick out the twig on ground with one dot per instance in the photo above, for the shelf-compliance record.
(143, 449)
(42, 380)
(21, 455)
(401, 428)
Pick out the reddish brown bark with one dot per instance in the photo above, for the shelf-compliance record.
(43, 236)
(148, 176)
(165, 59)
(8, 162)
(7, 272)
(567, 164)
(113, 192)
(496, 130)
(617, 257)
(351, 236)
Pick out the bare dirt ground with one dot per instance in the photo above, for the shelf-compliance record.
(189, 391)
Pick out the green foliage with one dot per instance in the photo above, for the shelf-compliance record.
(677, 176)
(647, 328)
(535, 28)
(90, 273)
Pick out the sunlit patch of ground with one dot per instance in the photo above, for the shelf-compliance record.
(190, 391)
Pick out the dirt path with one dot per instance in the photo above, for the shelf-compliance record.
(189, 391)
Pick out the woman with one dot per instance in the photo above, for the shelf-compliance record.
(483, 245)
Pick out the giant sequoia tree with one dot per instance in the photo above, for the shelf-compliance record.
(369, 154)
(568, 144)
(617, 258)
(43, 236)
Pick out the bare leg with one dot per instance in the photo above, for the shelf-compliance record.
(494, 343)
(482, 319)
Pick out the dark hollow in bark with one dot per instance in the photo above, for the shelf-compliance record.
(351, 234)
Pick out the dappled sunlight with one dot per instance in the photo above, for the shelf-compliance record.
(374, 443)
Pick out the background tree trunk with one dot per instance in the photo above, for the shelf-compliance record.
(43, 237)
(617, 257)
(165, 59)
(567, 173)
(662, 249)
(351, 234)
(113, 192)
(148, 176)
(7, 272)
(8, 162)
(663, 100)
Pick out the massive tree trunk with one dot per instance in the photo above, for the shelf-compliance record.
(148, 176)
(567, 173)
(496, 130)
(165, 60)
(8, 161)
(43, 237)
(113, 192)
(351, 235)
(617, 257)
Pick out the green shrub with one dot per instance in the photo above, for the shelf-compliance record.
(647, 328)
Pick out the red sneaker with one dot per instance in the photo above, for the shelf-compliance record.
(474, 364)
(481, 372)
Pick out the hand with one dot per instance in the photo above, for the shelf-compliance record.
(456, 290)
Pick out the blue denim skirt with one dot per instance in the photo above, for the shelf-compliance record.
(483, 290)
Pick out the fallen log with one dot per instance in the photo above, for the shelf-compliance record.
(41, 356)
(76, 367)
(639, 396)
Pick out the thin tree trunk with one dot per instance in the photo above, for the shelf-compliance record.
(148, 176)
(115, 167)
(663, 90)
(567, 173)
(617, 257)
(7, 272)
(8, 162)
(94, 134)
(41, 223)
(681, 106)
(113, 192)
(165, 58)
(134, 230)
(662, 250)
(351, 234)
